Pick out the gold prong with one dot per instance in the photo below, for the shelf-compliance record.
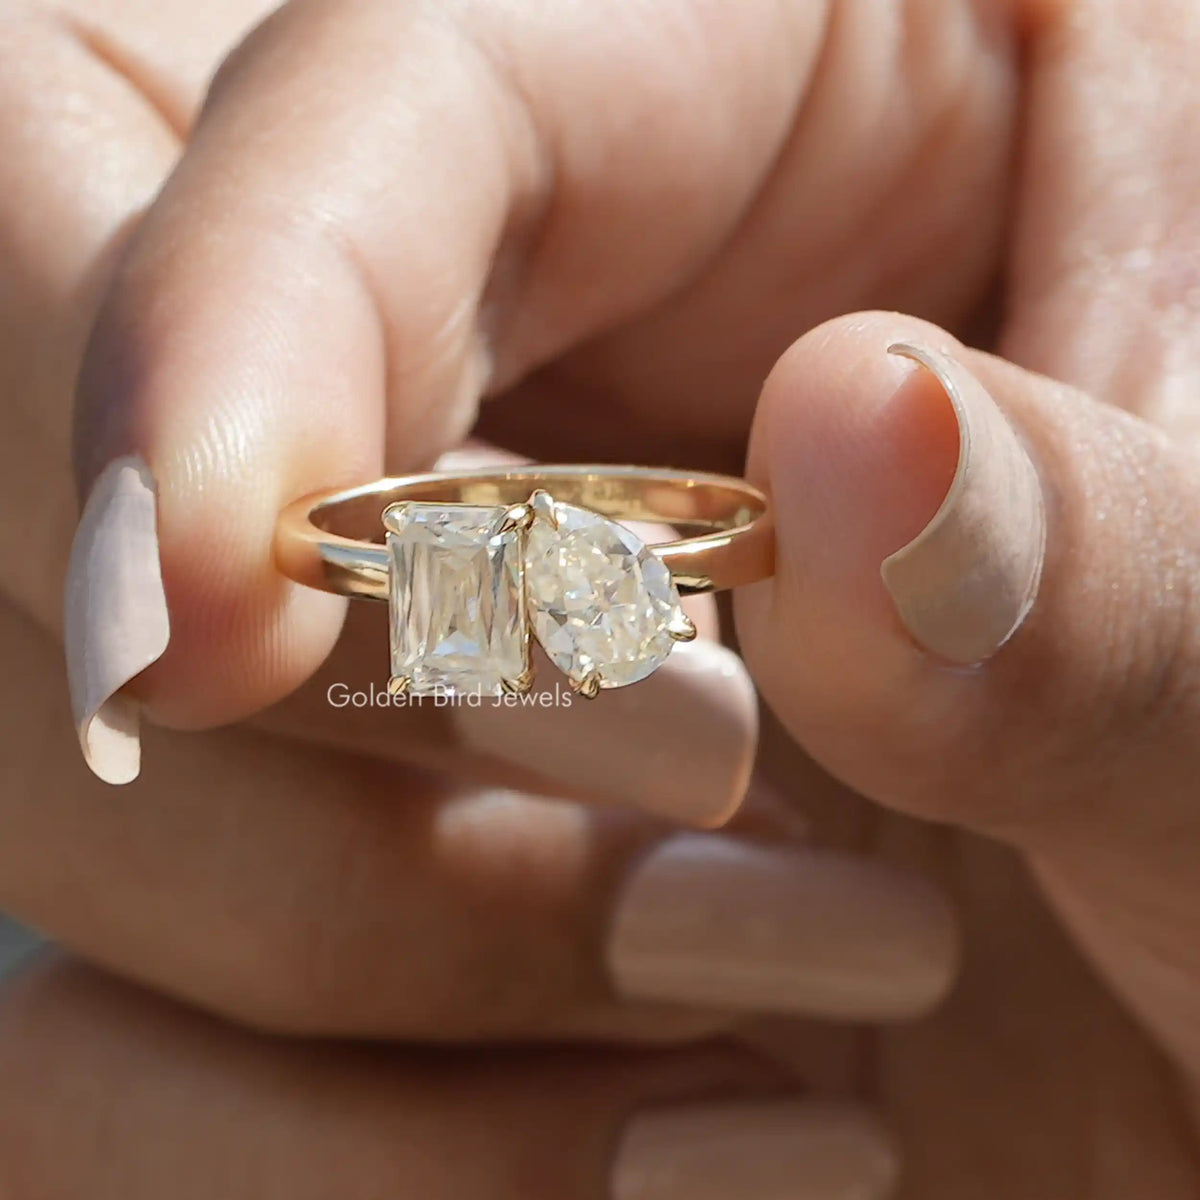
(392, 515)
(542, 504)
(588, 686)
(681, 628)
(398, 685)
(518, 516)
(518, 686)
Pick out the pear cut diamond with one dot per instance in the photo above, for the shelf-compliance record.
(457, 605)
(601, 603)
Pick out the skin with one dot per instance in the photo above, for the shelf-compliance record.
(593, 202)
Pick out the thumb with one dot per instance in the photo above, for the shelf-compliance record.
(982, 615)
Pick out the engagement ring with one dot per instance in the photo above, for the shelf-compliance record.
(475, 563)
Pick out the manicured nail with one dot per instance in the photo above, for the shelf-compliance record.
(680, 744)
(116, 615)
(708, 920)
(770, 1150)
(965, 583)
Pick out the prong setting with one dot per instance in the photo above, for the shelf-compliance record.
(393, 516)
(587, 686)
(542, 504)
(681, 627)
(470, 585)
(518, 516)
(520, 686)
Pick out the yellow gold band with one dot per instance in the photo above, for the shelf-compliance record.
(332, 540)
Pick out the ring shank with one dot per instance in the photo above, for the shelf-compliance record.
(332, 540)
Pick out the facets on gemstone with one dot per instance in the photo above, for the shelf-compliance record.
(600, 601)
(456, 600)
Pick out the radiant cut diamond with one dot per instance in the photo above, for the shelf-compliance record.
(600, 601)
(457, 604)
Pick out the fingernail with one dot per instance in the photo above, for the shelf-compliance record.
(709, 920)
(680, 744)
(771, 1150)
(965, 583)
(116, 615)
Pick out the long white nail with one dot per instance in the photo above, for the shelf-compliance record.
(965, 583)
(766, 1150)
(116, 621)
(712, 921)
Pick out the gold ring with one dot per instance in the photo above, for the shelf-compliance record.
(475, 562)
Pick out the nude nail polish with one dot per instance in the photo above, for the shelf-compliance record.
(765, 1150)
(680, 744)
(713, 921)
(116, 621)
(965, 583)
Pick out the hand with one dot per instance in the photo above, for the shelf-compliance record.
(340, 873)
(544, 175)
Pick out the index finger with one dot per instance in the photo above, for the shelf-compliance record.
(385, 211)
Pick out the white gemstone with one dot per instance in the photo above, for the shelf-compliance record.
(457, 607)
(600, 601)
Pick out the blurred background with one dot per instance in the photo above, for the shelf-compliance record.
(15, 944)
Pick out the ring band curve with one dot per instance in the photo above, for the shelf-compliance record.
(331, 540)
